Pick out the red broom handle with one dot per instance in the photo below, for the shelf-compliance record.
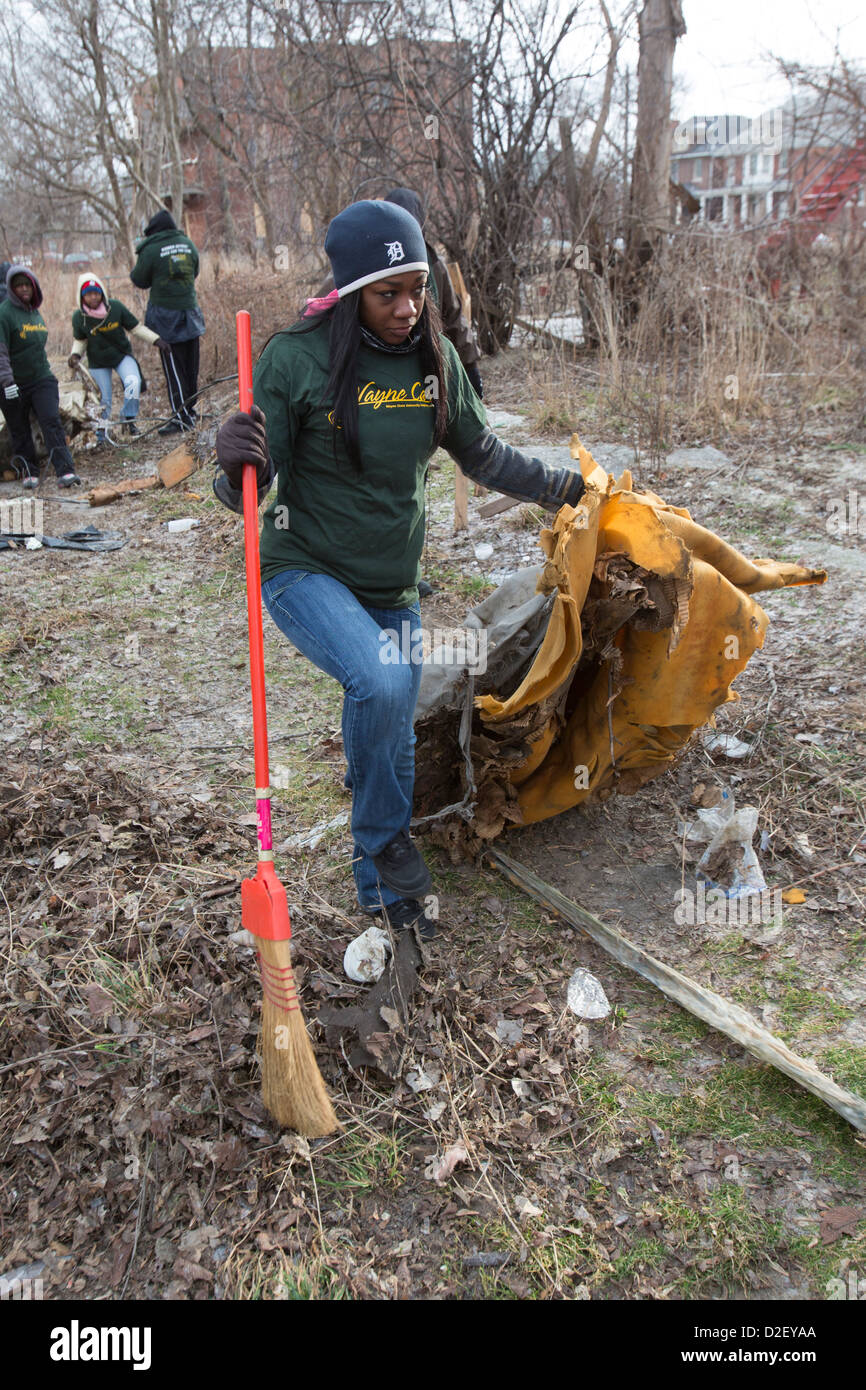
(254, 599)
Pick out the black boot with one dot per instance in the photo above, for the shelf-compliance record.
(408, 913)
(401, 868)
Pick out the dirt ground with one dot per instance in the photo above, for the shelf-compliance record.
(638, 1157)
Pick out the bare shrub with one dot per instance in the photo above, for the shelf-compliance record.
(706, 343)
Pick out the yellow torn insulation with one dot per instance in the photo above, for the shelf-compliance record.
(621, 717)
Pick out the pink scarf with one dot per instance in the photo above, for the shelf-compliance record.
(318, 306)
(98, 313)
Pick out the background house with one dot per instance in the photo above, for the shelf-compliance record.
(805, 164)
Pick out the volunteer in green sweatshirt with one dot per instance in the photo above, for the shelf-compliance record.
(27, 382)
(99, 327)
(168, 265)
(350, 404)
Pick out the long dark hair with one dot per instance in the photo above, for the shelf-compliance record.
(344, 341)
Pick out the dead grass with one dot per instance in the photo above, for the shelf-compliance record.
(138, 1158)
(709, 352)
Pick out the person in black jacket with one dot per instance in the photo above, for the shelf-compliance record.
(4, 271)
(454, 321)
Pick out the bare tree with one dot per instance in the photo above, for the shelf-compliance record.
(289, 109)
(661, 23)
(74, 86)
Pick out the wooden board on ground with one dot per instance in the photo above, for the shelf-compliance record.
(110, 492)
(499, 504)
(718, 1012)
(177, 465)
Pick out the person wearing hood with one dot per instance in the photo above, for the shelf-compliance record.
(167, 265)
(351, 403)
(27, 382)
(99, 328)
(454, 322)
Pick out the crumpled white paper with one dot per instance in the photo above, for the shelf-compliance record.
(365, 957)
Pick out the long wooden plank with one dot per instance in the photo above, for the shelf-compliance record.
(101, 495)
(719, 1013)
(499, 504)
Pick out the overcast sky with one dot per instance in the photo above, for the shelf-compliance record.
(724, 63)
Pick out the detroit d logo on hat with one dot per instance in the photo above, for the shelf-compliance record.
(395, 251)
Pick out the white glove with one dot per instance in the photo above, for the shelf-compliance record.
(11, 392)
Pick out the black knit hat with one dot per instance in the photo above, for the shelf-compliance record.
(371, 240)
(410, 200)
(161, 221)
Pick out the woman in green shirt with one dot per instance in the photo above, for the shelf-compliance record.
(351, 402)
(27, 382)
(99, 329)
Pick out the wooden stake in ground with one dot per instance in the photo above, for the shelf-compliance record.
(292, 1086)
(461, 486)
(712, 1008)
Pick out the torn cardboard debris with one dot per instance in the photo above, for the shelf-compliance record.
(599, 666)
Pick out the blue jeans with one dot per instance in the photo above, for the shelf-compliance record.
(346, 638)
(127, 370)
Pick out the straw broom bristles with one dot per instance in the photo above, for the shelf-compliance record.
(292, 1087)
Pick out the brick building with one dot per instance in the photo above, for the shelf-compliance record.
(805, 166)
(275, 142)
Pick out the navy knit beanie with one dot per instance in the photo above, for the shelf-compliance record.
(370, 241)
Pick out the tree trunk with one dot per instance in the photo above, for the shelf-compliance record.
(168, 103)
(660, 24)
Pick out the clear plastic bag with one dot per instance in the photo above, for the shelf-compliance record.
(729, 861)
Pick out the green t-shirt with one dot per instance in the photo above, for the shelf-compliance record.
(107, 343)
(365, 529)
(25, 334)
